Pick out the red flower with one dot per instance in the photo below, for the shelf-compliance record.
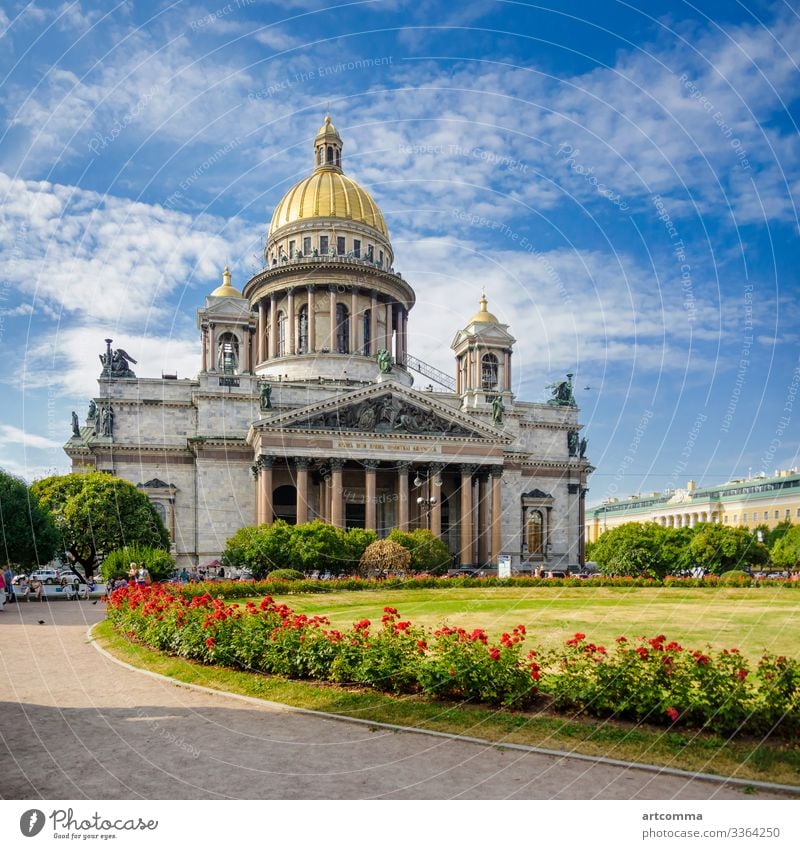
(390, 610)
(362, 625)
(579, 636)
(672, 714)
(211, 642)
(422, 645)
(642, 652)
(741, 674)
(622, 639)
(494, 654)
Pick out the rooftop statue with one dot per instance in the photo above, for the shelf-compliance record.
(116, 363)
(498, 408)
(562, 393)
(384, 360)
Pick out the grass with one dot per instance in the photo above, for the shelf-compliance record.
(748, 619)
(748, 759)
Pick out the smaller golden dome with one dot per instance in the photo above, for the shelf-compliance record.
(226, 290)
(327, 129)
(483, 316)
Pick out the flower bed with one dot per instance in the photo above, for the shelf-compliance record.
(271, 638)
(236, 589)
(645, 680)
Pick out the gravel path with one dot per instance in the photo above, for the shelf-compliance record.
(76, 725)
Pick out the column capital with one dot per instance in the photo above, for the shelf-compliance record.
(333, 287)
(403, 466)
(435, 468)
(301, 462)
(468, 469)
(265, 461)
(311, 287)
(336, 464)
(370, 464)
(496, 471)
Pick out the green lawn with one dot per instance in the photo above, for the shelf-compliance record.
(748, 619)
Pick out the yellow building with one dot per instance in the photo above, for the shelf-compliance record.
(742, 503)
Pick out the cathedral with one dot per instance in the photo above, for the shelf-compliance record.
(304, 406)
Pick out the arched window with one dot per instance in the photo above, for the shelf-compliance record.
(338, 159)
(302, 322)
(330, 156)
(321, 156)
(367, 331)
(535, 533)
(228, 354)
(281, 334)
(489, 367)
(342, 329)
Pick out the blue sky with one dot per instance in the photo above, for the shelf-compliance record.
(622, 179)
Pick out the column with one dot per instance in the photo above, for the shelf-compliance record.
(497, 513)
(332, 299)
(337, 506)
(273, 326)
(476, 529)
(370, 495)
(325, 498)
(353, 322)
(483, 518)
(403, 329)
(312, 323)
(256, 469)
(291, 318)
(246, 351)
(265, 485)
(373, 325)
(213, 347)
(388, 318)
(402, 495)
(301, 484)
(466, 514)
(204, 336)
(262, 328)
(582, 527)
(435, 488)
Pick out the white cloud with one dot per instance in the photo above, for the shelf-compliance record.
(106, 258)
(14, 436)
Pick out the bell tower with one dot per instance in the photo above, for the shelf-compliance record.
(227, 327)
(483, 359)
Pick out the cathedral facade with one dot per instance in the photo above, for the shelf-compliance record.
(304, 406)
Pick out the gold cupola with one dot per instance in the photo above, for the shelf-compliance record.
(483, 316)
(328, 193)
(226, 290)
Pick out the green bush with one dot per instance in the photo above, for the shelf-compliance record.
(285, 575)
(734, 575)
(117, 563)
(428, 552)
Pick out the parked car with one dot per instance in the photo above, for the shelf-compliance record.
(555, 573)
(47, 576)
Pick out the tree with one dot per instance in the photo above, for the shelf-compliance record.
(261, 549)
(642, 549)
(316, 546)
(384, 556)
(428, 552)
(786, 551)
(354, 544)
(769, 536)
(97, 513)
(719, 548)
(28, 533)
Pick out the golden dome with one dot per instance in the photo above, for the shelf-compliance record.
(483, 316)
(226, 290)
(327, 129)
(327, 193)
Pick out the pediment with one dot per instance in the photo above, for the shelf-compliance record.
(227, 308)
(537, 493)
(154, 483)
(382, 410)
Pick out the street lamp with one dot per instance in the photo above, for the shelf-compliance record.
(424, 501)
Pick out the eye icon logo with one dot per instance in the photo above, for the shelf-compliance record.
(31, 822)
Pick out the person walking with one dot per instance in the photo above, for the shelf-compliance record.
(2, 592)
(8, 576)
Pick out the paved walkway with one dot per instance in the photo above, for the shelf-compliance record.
(77, 725)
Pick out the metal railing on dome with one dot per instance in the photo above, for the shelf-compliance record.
(348, 258)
